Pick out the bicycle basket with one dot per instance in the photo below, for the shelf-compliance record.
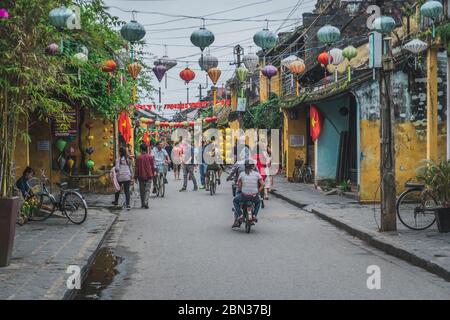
(35, 185)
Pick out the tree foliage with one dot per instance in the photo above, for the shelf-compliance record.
(33, 82)
(265, 115)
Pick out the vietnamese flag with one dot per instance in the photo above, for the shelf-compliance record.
(316, 119)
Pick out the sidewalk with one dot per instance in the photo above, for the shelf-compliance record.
(44, 250)
(427, 249)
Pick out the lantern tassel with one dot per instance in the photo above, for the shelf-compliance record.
(160, 94)
(79, 77)
(297, 88)
(325, 80)
(215, 96)
(134, 92)
(349, 73)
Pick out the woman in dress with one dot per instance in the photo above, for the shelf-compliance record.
(124, 175)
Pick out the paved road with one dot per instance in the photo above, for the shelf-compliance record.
(183, 247)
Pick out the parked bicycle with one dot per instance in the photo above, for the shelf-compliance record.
(416, 207)
(302, 173)
(70, 202)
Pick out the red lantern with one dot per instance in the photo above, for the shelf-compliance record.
(325, 59)
(187, 75)
(192, 124)
(109, 67)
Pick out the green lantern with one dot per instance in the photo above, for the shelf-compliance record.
(202, 38)
(349, 53)
(133, 32)
(432, 10)
(242, 74)
(58, 17)
(265, 39)
(90, 165)
(384, 25)
(328, 34)
(61, 144)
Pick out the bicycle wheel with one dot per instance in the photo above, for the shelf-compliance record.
(415, 209)
(74, 207)
(44, 209)
(296, 175)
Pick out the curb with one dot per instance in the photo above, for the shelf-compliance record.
(70, 294)
(375, 241)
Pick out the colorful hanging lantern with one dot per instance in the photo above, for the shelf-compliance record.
(350, 53)
(133, 32)
(416, 47)
(338, 58)
(286, 62)
(80, 59)
(214, 75)
(297, 67)
(90, 165)
(251, 61)
(134, 69)
(109, 66)
(187, 75)
(241, 75)
(4, 14)
(159, 71)
(202, 38)
(269, 72)
(265, 39)
(328, 34)
(58, 17)
(324, 59)
(70, 164)
(52, 49)
(61, 145)
(383, 25)
(432, 10)
(207, 62)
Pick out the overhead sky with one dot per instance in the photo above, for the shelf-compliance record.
(166, 25)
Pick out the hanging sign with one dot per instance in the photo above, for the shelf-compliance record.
(241, 104)
(60, 129)
(375, 50)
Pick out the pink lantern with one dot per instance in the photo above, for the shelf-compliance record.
(4, 14)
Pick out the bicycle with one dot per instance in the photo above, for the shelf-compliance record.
(416, 207)
(302, 173)
(70, 202)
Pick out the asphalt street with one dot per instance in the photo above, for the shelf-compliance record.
(183, 247)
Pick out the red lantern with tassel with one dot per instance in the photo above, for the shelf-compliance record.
(325, 59)
(109, 66)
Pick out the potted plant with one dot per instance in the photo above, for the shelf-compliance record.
(436, 178)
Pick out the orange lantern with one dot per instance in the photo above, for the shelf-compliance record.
(109, 66)
(134, 69)
(297, 67)
(214, 75)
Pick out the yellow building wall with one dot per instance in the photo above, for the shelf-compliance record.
(293, 127)
(411, 150)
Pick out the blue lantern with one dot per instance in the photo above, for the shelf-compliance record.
(58, 17)
(202, 38)
(328, 34)
(432, 10)
(133, 32)
(265, 39)
(384, 25)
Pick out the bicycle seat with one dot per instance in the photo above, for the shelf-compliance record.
(62, 185)
(411, 185)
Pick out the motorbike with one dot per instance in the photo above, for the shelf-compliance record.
(247, 209)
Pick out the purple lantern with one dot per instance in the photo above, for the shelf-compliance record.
(270, 71)
(159, 71)
(4, 13)
(52, 49)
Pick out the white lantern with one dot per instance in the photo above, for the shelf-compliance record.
(251, 62)
(416, 46)
(286, 62)
(337, 56)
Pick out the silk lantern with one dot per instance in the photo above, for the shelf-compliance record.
(297, 67)
(109, 66)
(134, 69)
(214, 74)
(350, 53)
(324, 59)
(187, 75)
(159, 71)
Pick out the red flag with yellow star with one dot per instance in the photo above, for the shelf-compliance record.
(316, 119)
(125, 126)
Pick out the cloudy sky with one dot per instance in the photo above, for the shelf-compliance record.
(166, 24)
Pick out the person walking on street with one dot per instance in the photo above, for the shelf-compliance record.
(169, 149)
(145, 171)
(123, 170)
(176, 160)
(188, 163)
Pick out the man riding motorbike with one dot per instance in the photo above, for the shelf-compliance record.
(250, 184)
